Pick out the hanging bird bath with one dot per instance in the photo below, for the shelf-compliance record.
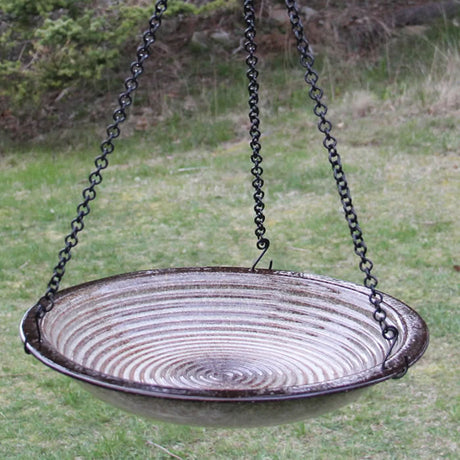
(223, 346)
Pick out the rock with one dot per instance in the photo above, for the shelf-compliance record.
(200, 40)
(222, 37)
(278, 15)
(308, 12)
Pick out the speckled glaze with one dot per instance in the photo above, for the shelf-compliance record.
(219, 346)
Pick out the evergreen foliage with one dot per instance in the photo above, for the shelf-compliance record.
(56, 44)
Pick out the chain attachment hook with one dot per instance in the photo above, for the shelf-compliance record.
(263, 244)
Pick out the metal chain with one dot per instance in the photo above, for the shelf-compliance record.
(389, 332)
(46, 303)
(253, 87)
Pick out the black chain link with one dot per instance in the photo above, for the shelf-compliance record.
(389, 332)
(46, 303)
(253, 87)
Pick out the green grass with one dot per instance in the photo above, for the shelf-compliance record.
(178, 196)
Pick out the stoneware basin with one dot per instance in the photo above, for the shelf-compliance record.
(221, 346)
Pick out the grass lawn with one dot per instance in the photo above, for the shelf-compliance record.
(167, 201)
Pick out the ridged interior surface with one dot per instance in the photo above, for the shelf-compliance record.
(218, 330)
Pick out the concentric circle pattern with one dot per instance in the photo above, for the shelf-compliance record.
(221, 331)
